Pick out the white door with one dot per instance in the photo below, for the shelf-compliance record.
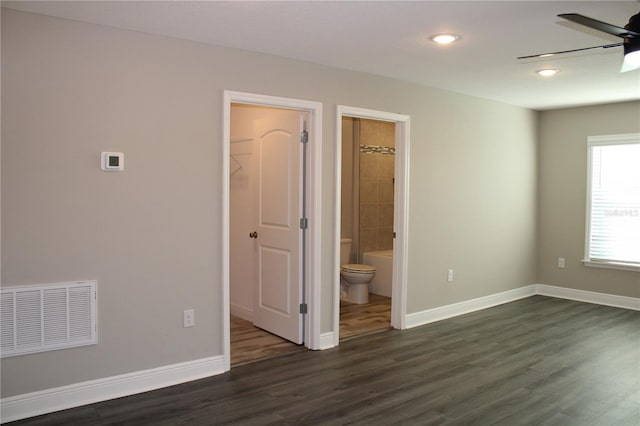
(277, 291)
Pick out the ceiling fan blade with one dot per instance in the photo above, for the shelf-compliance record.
(543, 55)
(599, 25)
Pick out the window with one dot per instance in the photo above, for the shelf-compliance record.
(613, 202)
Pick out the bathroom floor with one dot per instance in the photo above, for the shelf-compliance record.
(357, 319)
(250, 343)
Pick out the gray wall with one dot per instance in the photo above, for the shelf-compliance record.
(563, 190)
(151, 234)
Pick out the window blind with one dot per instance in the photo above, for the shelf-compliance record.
(614, 210)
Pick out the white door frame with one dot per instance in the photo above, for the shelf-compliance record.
(314, 193)
(400, 213)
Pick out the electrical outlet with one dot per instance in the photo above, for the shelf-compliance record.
(450, 275)
(561, 262)
(188, 318)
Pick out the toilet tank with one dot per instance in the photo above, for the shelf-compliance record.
(345, 250)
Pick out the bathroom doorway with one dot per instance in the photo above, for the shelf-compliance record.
(372, 197)
(268, 253)
(368, 150)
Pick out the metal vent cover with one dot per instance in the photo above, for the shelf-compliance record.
(46, 317)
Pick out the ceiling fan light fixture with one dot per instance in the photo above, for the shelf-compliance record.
(548, 72)
(445, 38)
(631, 55)
(631, 61)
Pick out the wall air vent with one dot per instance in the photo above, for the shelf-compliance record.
(37, 318)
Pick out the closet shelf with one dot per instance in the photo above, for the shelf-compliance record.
(236, 140)
(238, 164)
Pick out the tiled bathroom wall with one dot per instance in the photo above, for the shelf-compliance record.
(376, 160)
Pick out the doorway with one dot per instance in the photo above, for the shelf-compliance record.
(368, 151)
(399, 124)
(266, 256)
(270, 229)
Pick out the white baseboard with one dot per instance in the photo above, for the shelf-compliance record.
(436, 314)
(327, 340)
(241, 312)
(589, 296)
(50, 400)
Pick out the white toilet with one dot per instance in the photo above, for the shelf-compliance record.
(354, 277)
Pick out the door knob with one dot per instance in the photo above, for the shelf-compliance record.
(253, 234)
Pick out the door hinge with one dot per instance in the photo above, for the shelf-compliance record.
(304, 136)
(303, 308)
(304, 223)
(394, 235)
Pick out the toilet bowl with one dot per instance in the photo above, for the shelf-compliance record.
(355, 278)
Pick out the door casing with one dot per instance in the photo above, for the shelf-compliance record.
(313, 208)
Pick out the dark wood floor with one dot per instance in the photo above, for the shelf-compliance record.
(537, 361)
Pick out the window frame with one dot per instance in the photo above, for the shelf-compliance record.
(595, 141)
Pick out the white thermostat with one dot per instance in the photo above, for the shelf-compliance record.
(112, 161)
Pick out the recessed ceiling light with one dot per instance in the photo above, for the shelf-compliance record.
(445, 38)
(547, 72)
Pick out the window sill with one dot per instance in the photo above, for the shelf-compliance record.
(612, 265)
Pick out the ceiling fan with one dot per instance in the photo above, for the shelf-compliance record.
(630, 35)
